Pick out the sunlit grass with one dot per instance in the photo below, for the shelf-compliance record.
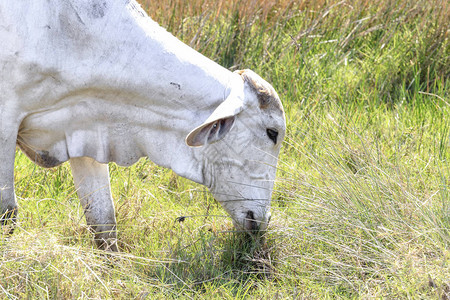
(361, 206)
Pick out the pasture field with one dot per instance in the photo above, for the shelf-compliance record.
(361, 207)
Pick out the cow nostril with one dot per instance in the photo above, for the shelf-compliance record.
(249, 222)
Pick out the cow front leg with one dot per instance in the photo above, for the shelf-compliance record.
(8, 204)
(92, 183)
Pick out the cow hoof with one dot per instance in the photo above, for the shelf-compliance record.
(8, 221)
(108, 246)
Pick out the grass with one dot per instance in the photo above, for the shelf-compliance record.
(361, 206)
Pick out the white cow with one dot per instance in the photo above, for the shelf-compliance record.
(95, 81)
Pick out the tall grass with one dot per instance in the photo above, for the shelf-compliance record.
(366, 204)
(346, 51)
(361, 206)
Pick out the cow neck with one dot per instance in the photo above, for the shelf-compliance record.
(184, 89)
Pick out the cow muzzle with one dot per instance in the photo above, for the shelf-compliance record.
(252, 225)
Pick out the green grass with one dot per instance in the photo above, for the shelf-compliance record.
(362, 203)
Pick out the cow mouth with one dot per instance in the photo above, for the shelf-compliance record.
(250, 223)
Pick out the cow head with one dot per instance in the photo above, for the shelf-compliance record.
(240, 143)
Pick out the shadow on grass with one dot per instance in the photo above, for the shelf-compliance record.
(227, 263)
(251, 255)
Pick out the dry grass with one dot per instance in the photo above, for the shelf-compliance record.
(361, 207)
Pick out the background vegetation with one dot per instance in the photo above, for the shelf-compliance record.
(362, 204)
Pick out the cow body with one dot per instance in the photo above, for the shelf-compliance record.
(94, 82)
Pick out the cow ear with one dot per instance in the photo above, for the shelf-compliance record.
(220, 122)
(210, 132)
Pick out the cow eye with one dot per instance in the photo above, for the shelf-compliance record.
(272, 134)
